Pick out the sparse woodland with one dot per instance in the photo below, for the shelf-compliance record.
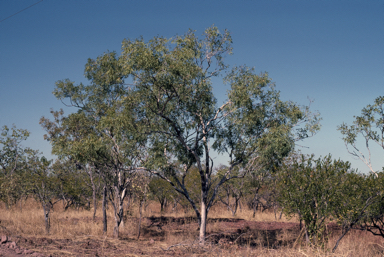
(136, 166)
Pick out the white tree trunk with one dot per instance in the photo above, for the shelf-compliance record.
(203, 223)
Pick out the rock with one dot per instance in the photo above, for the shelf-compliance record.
(4, 239)
(18, 251)
(151, 241)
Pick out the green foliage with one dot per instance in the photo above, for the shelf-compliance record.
(232, 191)
(13, 162)
(172, 81)
(161, 190)
(12, 153)
(358, 193)
(42, 184)
(172, 84)
(103, 132)
(73, 184)
(260, 191)
(373, 216)
(314, 189)
(363, 202)
(41, 181)
(366, 211)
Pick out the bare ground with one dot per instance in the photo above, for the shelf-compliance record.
(166, 236)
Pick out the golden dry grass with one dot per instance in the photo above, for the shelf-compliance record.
(220, 211)
(78, 224)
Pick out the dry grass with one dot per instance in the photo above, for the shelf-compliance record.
(78, 225)
(220, 211)
(29, 221)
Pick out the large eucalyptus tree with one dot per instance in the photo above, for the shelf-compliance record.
(154, 107)
(172, 80)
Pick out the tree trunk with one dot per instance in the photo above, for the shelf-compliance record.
(236, 206)
(174, 208)
(47, 221)
(118, 211)
(94, 204)
(118, 207)
(306, 235)
(345, 231)
(118, 220)
(203, 223)
(140, 215)
(104, 209)
(116, 228)
(93, 195)
(161, 206)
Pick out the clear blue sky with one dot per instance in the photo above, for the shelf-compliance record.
(330, 51)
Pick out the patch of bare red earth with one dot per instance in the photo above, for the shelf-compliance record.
(226, 231)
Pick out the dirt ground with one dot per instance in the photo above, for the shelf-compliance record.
(162, 236)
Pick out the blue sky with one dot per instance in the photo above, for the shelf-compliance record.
(329, 51)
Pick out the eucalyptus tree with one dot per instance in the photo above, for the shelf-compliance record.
(75, 142)
(12, 163)
(172, 80)
(369, 126)
(42, 183)
(153, 106)
(100, 132)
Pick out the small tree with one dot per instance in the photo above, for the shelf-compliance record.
(101, 133)
(74, 184)
(260, 189)
(75, 140)
(231, 192)
(43, 185)
(12, 164)
(162, 191)
(373, 219)
(312, 189)
(361, 195)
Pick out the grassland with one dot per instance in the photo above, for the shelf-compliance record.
(75, 233)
